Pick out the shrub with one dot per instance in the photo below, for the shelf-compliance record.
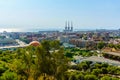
(90, 77)
(2, 70)
(9, 76)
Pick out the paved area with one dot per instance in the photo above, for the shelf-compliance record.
(98, 59)
(113, 53)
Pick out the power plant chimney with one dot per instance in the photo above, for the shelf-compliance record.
(71, 26)
(65, 25)
(68, 26)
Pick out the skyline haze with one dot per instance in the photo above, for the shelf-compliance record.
(52, 14)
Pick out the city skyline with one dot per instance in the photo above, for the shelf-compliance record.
(52, 14)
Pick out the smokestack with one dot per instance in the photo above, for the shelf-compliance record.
(68, 26)
(71, 26)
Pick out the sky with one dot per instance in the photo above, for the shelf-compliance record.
(52, 14)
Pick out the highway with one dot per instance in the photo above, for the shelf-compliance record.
(21, 44)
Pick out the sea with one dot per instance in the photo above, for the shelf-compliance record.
(26, 30)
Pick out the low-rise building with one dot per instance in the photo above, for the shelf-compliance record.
(82, 43)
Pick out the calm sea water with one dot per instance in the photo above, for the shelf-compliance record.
(26, 30)
(36, 29)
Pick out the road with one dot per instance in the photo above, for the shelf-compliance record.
(21, 44)
(98, 59)
(113, 53)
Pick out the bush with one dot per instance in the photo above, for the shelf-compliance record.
(9, 76)
(96, 72)
(2, 70)
(104, 70)
(108, 78)
(73, 77)
(69, 55)
(90, 77)
(80, 77)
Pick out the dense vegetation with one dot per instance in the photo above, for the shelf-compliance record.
(70, 52)
(49, 61)
(46, 61)
(93, 71)
(116, 46)
(112, 57)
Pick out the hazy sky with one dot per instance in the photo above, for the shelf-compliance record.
(45, 14)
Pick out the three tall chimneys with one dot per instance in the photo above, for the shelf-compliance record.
(68, 26)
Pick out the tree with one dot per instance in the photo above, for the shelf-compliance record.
(9, 76)
(41, 63)
(1, 51)
(104, 70)
(97, 65)
(60, 63)
(90, 77)
(72, 76)
(96, 72)
(106, 78)
(2, 70)
(80, 76)
(112, 69)
(69, 54)
(55, 44)
(52, 63)
(23, 65)
(83, 66)
(100, 45)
